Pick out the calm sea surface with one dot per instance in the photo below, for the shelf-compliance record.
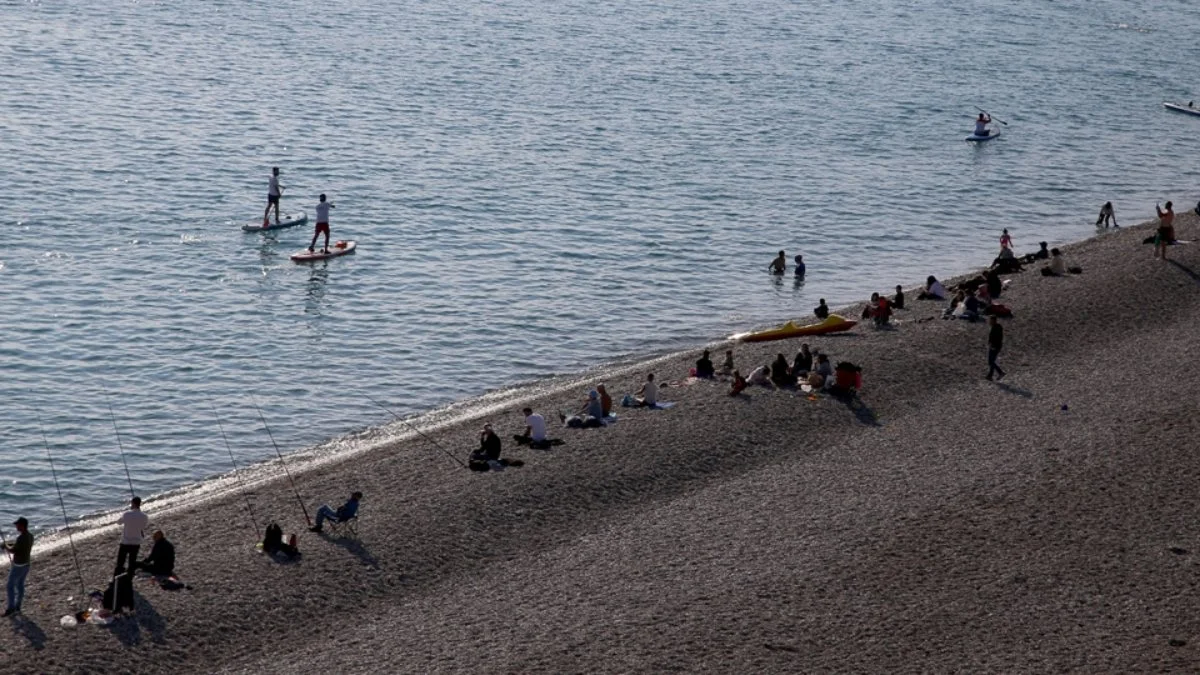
(536, 186)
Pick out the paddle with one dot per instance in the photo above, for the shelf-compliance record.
(991, 115)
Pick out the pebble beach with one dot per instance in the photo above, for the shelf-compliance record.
(939, 522)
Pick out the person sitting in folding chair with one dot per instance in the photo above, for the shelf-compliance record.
(345, 513)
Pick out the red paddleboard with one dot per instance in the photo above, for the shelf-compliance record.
(336, 249)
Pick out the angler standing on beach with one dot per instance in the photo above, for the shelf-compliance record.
(995, 344)
(18, 552)
(133, 530)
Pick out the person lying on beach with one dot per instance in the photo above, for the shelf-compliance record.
(800, 267)
(272, 542)
(727, 366)
(779, 264)
(605, 399)
(933, 290)
(803, 362)
(535, 431)
(781, 373)
(161, 561)
(648, 394)
(898, 299)
(1106, 215)
(822, 310)
(704, 366)
(590, 416)
(345, 512)
(739, 383)
(760, 376)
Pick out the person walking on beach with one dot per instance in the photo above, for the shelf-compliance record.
(322, 224)
(1166, 230)
(274, 191)
(1107, 214)
(345, 512)
(995, 344)
(779, 264)
(18, 553)
(133, 529)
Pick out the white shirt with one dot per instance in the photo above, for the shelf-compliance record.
(323, 212)
(273, 185)
(537, 427)
(758, 376)
(650, 393)
(135, 523)
(937, 290)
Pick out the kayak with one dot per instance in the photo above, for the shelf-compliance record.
(980, 139)
(833, 324)
(1179, 107)
(338, 249)
(286, 220)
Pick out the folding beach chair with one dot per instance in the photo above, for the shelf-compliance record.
(342, 528)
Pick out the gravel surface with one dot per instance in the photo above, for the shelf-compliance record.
(942, 522)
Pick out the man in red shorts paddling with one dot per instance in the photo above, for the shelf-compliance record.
(322, 224)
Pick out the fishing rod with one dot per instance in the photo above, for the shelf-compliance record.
(112, 415)
(63, 504)
(991, 116)
(281, 462)
(410, 426)
(236, 478)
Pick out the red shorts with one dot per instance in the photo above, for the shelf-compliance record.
(323, 227)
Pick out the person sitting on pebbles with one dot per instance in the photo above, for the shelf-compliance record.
(760, 376)
(781, 373)
(590, 416)
(819, 376)
(739, 384)
(934, 290)
(647, 396)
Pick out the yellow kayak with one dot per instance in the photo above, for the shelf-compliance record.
(834, 324)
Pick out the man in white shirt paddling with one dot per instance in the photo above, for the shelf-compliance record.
(133, 529)
(322, 224)
(274, 191)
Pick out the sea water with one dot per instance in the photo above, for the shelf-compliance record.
(536, 187)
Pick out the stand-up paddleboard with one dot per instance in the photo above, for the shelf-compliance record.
(286, 220)
(335, 249)
(980, 139)
(1190, 109)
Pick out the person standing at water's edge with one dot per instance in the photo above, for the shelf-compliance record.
(274, 192)
(18, 552)
(322, 224)
(995, 344)
(133, 529)
(1166, 230)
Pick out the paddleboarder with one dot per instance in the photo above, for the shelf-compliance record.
(981, 123)
(274, 191)
(322, 224)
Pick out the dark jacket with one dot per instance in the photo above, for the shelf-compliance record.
(161, 559)
(21, 548)
(996, 337)
(489, 445)
(348, 510)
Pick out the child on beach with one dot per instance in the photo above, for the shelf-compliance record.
(1006, 241)
(739, 383)
(1106, 215)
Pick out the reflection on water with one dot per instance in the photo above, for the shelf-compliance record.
(314, 291)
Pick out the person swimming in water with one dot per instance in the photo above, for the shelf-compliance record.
(981, 123)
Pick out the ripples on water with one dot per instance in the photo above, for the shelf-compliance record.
(536, 187)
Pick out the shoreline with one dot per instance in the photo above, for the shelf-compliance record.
(333, 451)
(936, 522)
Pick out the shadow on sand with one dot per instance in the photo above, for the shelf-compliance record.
(145, 621)
(26, 628)
(1186, 270)
(355, 546)
(1015, 391)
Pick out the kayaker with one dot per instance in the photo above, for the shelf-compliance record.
(779, 264)
(981, 125)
